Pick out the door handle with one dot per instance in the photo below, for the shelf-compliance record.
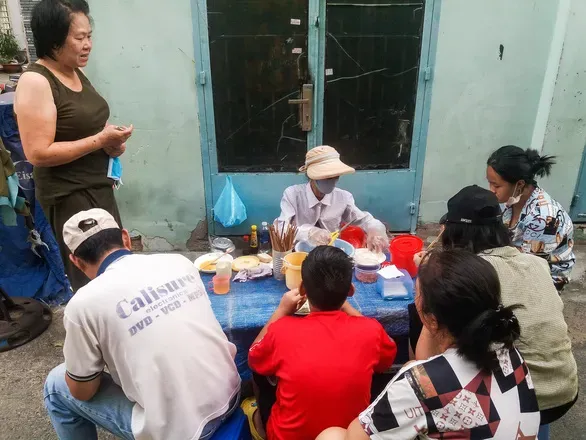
(298, 101)
(305, 104)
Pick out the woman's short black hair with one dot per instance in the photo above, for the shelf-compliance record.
(50, 23)
(475, 238)
(94, 248)
(513, 164)
(327, 277)
(462, 291)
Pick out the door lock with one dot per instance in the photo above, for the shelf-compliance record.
(305, 104)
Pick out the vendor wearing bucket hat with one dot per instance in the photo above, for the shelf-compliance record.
(318, 208)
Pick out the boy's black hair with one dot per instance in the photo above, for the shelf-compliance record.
(93, 249)
(50, 23)
(327, 277)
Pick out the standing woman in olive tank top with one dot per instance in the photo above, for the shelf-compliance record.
(63, 122)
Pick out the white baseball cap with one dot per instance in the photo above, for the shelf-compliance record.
(84, 224)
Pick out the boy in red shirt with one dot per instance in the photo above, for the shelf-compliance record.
(323, 362)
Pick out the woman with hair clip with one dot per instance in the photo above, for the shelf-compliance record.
(537, 223)
(477, 386)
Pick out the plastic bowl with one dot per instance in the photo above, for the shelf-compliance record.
(368, 276)
(354, 235)
(305, 246)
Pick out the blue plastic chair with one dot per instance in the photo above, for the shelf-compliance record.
(235, 428)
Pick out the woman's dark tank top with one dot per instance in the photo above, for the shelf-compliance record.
(79, 115)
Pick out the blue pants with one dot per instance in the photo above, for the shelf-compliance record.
(110, 409)
(543, 432)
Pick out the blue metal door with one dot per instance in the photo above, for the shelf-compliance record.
(369, 66)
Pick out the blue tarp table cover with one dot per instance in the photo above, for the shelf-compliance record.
(246, 309)
(22, 273)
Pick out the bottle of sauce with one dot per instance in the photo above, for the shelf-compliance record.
(253, 243)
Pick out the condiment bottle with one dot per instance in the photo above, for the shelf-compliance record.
(253, 241)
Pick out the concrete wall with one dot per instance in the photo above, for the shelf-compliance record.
(142, 62)
(532, 97)
(565, 134)
(480, 102)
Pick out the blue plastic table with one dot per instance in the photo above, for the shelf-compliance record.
(245, 310)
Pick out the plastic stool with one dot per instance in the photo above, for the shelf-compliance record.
(235, 428)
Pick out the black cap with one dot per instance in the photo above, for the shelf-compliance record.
(473, 205)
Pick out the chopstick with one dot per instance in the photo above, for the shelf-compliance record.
(434, 242)
(335, 235)
(282, 241)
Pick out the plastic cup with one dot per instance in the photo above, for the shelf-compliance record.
(292, 268)
(220, 284)
(278, 264)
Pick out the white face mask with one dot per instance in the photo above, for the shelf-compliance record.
(513, 200)
(326, 186)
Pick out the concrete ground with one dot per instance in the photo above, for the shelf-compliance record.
(23, 371)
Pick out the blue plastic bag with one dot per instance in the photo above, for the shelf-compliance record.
(229, 210)
(115, 171)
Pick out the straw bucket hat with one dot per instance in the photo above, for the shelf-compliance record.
(324, 163)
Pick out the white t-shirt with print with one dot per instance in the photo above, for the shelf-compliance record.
(149, 320)
(449, 397)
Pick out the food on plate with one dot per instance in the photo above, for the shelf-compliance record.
(364, 257)
(246, 262)
(208, 263)
(264, 258)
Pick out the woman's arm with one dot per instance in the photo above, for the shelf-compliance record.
(288, 216)
(356, 432)
(363, 219)
(37, 119)
(426, 347)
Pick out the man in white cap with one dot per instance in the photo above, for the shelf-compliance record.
(318, 208)
(148, 319)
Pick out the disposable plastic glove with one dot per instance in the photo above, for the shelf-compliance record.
(376, 242)
(318, 236)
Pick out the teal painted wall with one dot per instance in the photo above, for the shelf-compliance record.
(142, 62)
